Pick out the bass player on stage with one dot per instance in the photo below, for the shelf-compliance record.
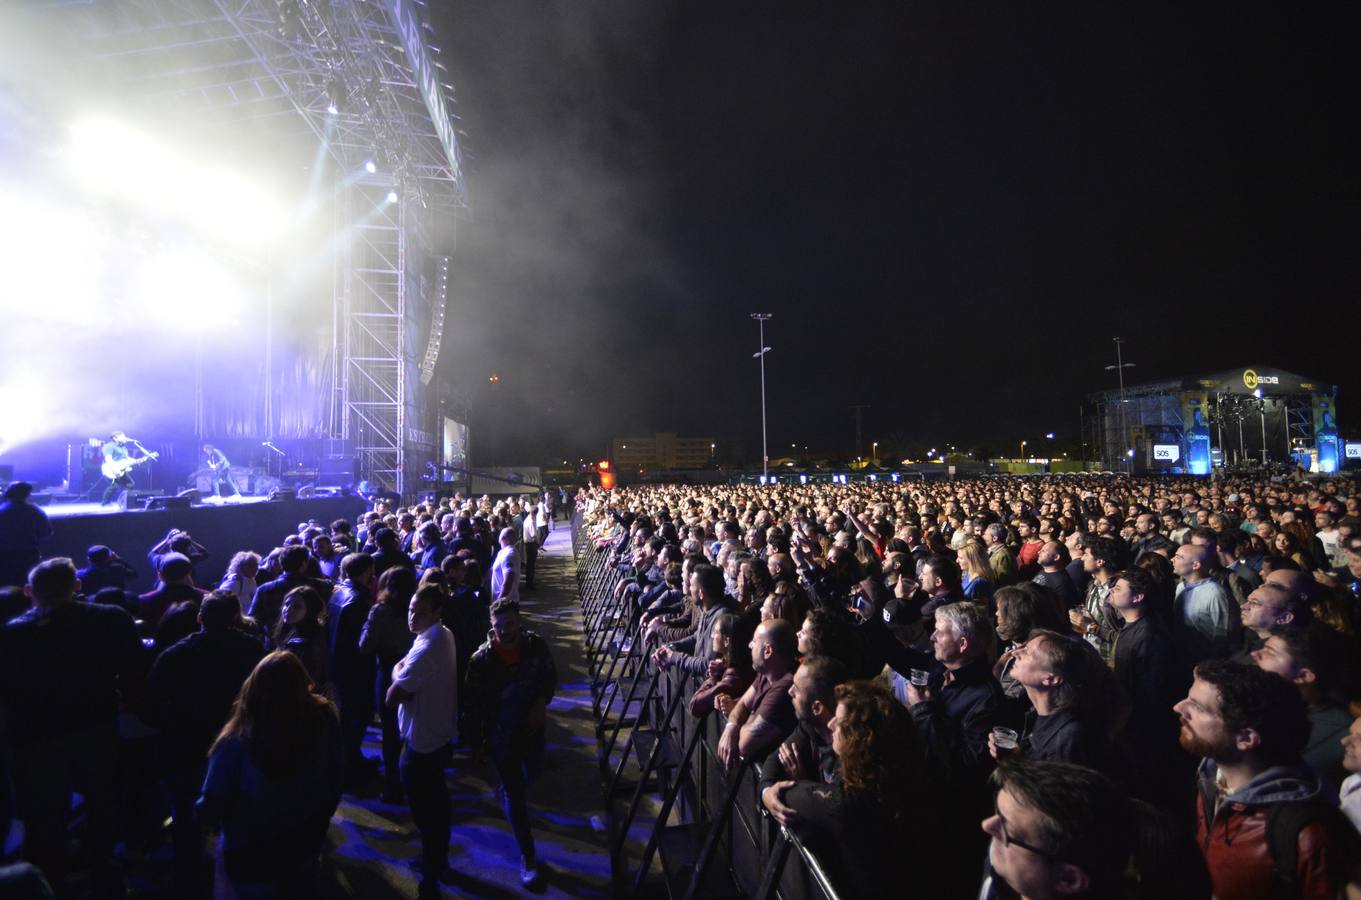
(221, 471)
(119, 463)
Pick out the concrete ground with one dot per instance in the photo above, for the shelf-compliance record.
(376, 846)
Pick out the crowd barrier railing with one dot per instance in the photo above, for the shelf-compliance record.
(711, 836)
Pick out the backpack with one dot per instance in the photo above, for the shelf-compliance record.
(1285, 821)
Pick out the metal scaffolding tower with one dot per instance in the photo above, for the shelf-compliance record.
(361, 82)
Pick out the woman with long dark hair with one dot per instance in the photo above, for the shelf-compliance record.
(387, 637)
(301, 633)
(273, 782)
(730, 672)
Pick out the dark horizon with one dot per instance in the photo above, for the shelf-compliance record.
(949, 213)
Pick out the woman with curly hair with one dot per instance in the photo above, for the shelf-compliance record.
(753, 581)
(240, 578)
(859, 824)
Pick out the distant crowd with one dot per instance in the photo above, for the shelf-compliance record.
(1088, 686)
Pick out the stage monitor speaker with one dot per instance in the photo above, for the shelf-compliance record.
(180, 502)
(336, 471)
(283, 494)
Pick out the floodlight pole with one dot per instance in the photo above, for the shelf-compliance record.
(1261, 410)
(761, 354)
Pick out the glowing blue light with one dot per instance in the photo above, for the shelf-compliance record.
(370, 166)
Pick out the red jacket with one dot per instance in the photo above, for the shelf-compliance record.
(1232, 834)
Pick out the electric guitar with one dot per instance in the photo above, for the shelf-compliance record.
(113, 469)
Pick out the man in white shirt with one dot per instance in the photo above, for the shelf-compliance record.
(505, 569)
(425, 684)
(530, 532)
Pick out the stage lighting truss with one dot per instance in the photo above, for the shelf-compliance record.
(350, 70)
(366, 83)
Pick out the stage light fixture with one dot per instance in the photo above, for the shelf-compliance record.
(370, 166)
(392, 197)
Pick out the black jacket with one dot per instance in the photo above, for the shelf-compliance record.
(820, 763)
(193, 684)
(1145, 666)
(114, 573)
(956, 721)
(63, 670)
(497, 698)
(346, 612)
(1062, 736)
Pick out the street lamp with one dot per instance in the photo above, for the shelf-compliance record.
(1022, 449)
(761, 355)
(874, 452)
(1120, 367)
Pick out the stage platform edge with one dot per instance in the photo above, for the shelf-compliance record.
(222, 530)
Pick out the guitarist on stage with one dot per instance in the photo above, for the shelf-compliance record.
(221, 468)
(118, 464)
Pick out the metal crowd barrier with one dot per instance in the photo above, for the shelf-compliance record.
(711, 836)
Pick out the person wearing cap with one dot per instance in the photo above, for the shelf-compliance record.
(176, 586)
(23, 529)
(106, 569)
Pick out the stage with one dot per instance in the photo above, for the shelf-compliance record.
(253, 523)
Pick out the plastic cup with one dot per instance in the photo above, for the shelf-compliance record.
(1006, 740)
(919, 677)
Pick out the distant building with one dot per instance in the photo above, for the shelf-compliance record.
(662, 451)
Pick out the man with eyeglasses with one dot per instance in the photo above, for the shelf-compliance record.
(1058, 830)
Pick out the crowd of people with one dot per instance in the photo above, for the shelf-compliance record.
(1086, 686)
(239, 705)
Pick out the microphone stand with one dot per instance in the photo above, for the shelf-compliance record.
(270, 445)
(150, 475)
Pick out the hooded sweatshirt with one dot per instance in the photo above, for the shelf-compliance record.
(1231, 828)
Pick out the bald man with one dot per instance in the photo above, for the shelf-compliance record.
(1205, 622)
(1267, 608)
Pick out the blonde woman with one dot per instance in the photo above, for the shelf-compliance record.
(977, 573)
(240, 580)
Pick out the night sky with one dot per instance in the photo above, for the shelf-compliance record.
(950, 210)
